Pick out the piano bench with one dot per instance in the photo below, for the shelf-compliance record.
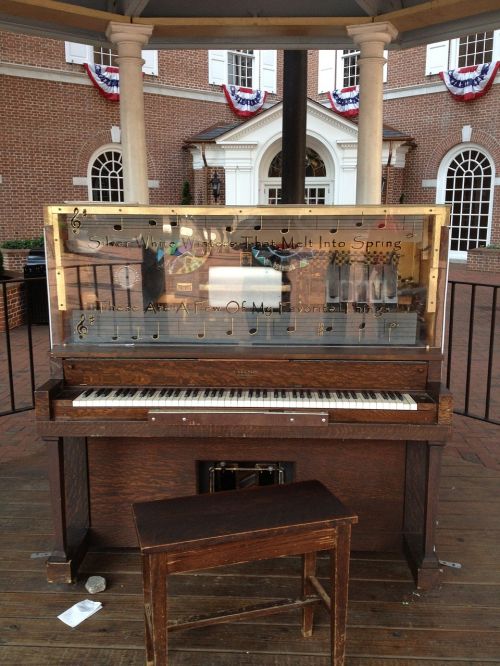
(237, 526)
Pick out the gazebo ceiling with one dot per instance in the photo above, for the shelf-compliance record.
(291, 24)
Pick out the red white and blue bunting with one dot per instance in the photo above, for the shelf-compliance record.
(345, 101)
(106, 80)
(244, 101)
(467, 83)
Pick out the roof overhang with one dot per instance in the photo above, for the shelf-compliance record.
(290, 24)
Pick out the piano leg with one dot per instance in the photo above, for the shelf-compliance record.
(70, 506)
(423, 464)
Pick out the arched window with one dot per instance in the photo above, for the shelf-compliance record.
(468, 190)
(317, 190)
(106, 177)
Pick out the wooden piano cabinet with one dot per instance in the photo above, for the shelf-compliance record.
(385, 482)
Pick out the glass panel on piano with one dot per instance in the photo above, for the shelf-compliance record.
(316, 276)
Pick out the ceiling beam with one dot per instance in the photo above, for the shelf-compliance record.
(60, 13)
(435, 12)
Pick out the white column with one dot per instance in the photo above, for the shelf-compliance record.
(130, 40)
(371, 38)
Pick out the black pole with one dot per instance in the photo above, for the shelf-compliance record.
(294, 127)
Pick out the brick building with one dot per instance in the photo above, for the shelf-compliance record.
(60, 138)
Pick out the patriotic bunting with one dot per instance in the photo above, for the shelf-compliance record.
(345, 101)
(244, 101)
(106, 80)
(467, 83)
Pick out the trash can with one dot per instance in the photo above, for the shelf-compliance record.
(37, 301)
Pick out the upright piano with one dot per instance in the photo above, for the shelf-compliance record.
(195, 348)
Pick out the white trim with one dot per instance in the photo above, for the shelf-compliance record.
(1, 180)
(153, 184)
(441, 188)
(112, 147)
(80, 181)
(431, 182)
(79, 78)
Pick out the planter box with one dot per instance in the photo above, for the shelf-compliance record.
(484, 259)
(14, 260)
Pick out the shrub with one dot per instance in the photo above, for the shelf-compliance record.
(22, 243)
(186, 199)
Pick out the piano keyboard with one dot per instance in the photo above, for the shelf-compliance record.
(244, 398)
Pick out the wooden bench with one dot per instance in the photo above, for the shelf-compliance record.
(236, 526)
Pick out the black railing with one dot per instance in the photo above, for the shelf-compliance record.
(23, 349)
(472, 363)
(472, 360)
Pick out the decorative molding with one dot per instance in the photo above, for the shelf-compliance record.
(431, 182)
(80, 181)
(80, 78)
(466, 133)
(496, 181)
(115, 134)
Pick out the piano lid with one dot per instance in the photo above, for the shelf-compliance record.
(253, 277)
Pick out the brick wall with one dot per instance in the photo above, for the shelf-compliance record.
(50, 130)
(481, 259)
(15, 305)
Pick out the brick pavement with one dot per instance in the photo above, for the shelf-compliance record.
(473, 440)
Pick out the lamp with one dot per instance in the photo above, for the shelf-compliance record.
(215, 184)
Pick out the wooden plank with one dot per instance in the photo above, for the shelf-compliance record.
(465, 489)
(413, 614)
(63, 656)
(258, 638)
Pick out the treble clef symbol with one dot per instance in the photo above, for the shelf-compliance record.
(75, 221)
(81, 329)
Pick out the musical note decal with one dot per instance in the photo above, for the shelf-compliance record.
(137, 336)
(258, 226)
(156, 335)
(202, 334)
(392, 326)
(75, 221)
(293, 328)
(334, 230)
(361, 329)
(230, 331)
(254, 330)
(116, 335)
(286, 229)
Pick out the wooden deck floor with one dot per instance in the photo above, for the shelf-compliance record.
(389, 623)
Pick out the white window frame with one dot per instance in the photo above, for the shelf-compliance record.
(461, 255)
(442, 56)
(331, 69)
(265, 64)
(325, 183)
(80, 54)
(112, 147)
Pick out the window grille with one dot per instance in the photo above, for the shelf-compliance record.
(468, 191)
(475, 49)
(105, 57)
(350, 62)
(240, 67)
(107, 177)
(313, 196)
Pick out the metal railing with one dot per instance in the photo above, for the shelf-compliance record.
(23, 349)
(472, 363)
(472, 359)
